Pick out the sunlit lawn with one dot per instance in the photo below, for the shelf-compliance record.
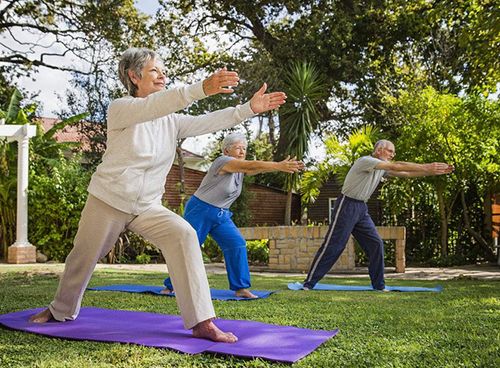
(459, 327)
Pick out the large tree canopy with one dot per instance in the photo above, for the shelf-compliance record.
(43, 33)
(360, 47)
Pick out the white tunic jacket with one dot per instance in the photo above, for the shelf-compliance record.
(141, 142)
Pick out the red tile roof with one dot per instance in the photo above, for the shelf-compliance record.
(71, 134)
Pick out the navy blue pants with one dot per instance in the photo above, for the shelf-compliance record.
(350, 216)
(207, 219)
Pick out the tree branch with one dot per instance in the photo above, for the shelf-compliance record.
(22, 60)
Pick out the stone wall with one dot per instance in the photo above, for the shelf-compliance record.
(292, 248)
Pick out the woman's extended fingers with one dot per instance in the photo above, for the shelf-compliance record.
(262, 102)
(273, 100)
(221, 82)
(277, 98)
(227, 79)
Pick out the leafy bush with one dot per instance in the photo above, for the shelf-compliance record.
(143, 258)
(361, 258)
(258, 251)
(56, 200)
(140, 249)
(212, 250)
(242, 215)
(58, 184)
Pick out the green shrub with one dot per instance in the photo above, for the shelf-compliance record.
(56, 199)
(240, 208)
(212, 251)
(139, 249)
(361, 259)
(143, 258)
(258, 251)
(57, 185)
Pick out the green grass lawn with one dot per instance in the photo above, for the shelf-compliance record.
(459, 327)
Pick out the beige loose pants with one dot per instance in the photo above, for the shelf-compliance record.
(99, 228)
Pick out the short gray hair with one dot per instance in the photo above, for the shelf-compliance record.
(231, 139)
(134, 59)
(381, 144)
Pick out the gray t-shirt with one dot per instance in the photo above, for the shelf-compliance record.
(220, 190)
(362, 179)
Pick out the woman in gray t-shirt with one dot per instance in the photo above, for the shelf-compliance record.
(208, 209)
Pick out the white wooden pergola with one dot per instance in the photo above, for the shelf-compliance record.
(21, 251)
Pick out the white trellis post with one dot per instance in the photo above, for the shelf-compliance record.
(21, 251)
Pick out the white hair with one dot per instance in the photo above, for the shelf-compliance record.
(381, 144)
(134, 59)
(231, 139)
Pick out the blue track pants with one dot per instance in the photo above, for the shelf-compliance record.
(350, 216)
(207, 219)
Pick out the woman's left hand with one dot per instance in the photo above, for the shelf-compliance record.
(262, 101)
(220, 82)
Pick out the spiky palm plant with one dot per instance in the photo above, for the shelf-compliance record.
(299, 117)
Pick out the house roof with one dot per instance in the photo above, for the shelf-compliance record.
(68, 134)
(72, 134)
(189, 154)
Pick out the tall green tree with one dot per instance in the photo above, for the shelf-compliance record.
(435, 126)
(361, 47)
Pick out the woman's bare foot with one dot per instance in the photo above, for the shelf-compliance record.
(208, 330)
(245, 293)
(166, 291)
(42, 317)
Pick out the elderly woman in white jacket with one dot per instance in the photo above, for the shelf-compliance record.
(125, 191)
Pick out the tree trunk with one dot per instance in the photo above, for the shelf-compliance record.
(288, 208)
(488, 215)
(272, 129)
(260, 119)
(443, 238)
(488, 252)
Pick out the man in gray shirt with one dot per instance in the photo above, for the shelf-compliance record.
(350, 213)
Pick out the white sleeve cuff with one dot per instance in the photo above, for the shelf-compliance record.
(246, 111)
(196, 91)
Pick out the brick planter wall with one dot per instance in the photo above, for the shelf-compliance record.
(292, 248)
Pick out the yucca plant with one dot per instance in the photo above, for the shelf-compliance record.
(299, 117)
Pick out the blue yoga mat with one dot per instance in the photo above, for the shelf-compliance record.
(216, 294)
(333, 287)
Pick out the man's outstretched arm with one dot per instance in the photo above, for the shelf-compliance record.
(412, 170)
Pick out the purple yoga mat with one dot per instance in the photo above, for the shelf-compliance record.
(256, 340)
